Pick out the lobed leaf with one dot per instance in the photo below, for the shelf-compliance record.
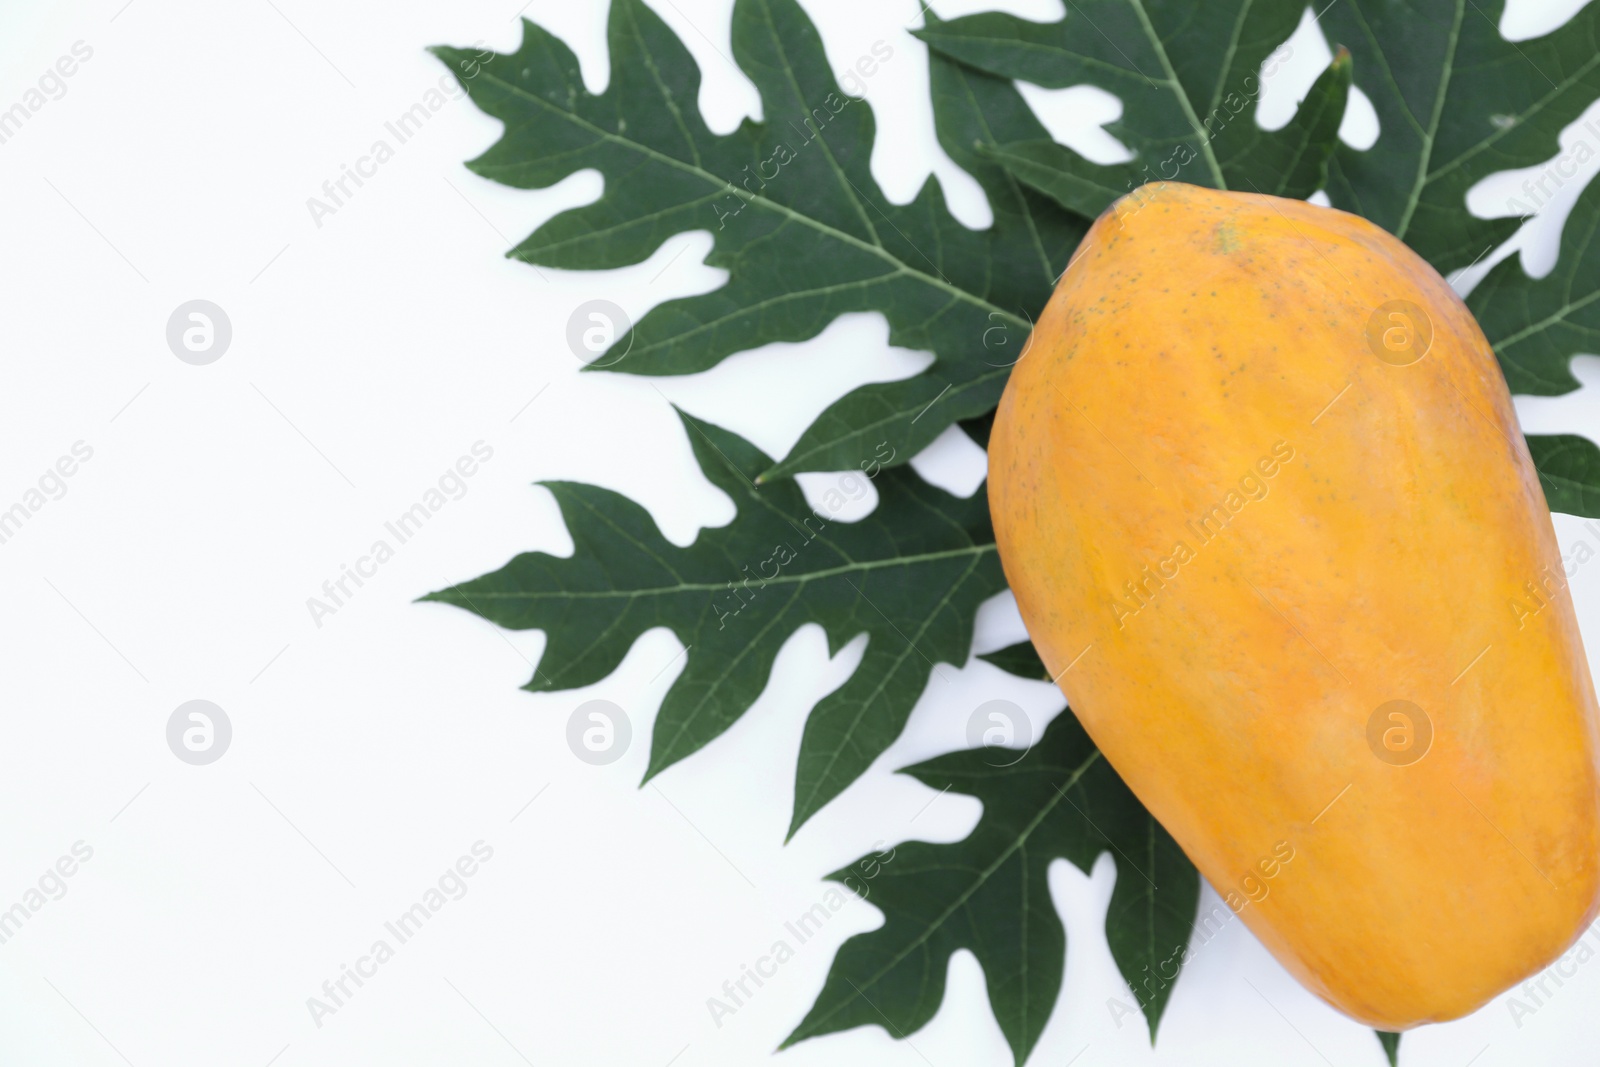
(795, 215)
(910, 576)
(1030, 242)
(1189, 77)
(1455, 102)
(989, 893)
(1536, 326)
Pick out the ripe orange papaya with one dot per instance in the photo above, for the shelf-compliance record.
(1258, 486)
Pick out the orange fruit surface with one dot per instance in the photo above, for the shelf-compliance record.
(1260, 491)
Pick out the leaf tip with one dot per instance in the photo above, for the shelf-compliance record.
(539, 683)
(801, 816)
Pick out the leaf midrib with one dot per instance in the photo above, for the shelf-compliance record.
(1179, 92)
(794, 462)
(1034, 237)
(1521, 118)
(827, 151)
(661, 86)
(855, 567)
(1577, 486)
(1227, 59)
(1432, 131)
(1053, 51)
(754, 198)
(1545, 323)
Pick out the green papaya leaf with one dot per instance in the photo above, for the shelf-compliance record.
(910, 576)
(989, 893)
(1537, 326)
(1189, 76)
(1031, 241)
(1456, 102)
(1291, 162)
(795, 216)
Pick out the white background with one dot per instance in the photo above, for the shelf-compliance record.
(368, 354)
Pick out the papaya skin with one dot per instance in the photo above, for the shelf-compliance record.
(1198, 341)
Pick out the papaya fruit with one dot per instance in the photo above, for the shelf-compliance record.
(1259, 489)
